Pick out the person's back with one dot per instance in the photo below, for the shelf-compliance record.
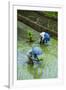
(46, 37)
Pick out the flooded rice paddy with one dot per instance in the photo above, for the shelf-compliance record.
(48, 68)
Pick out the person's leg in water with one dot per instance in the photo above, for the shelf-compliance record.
(40, 40)
(30, 54)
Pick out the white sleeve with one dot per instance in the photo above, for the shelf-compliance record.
(42, 35)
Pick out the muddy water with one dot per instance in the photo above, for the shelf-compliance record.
(48, 68)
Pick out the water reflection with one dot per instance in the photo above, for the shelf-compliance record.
(35, 70)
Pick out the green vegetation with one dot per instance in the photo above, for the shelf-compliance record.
(51, 14)
(41, 57)
(30, 35)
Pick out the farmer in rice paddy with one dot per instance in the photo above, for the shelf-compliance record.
(34, 53)
(44, 37)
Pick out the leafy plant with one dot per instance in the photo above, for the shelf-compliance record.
(51, 14)
(30, 35)
(41, 57)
